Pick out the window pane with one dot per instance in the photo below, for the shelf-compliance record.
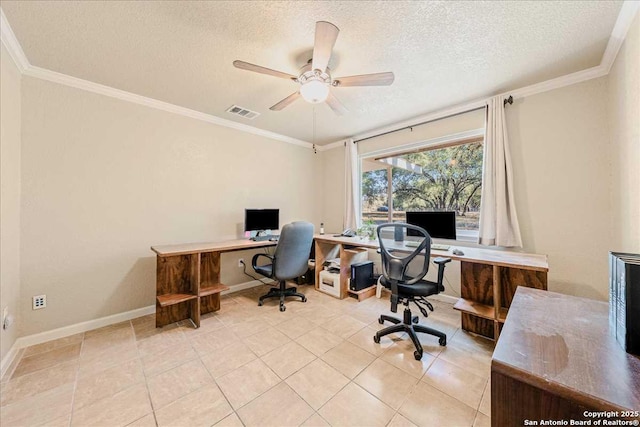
(445, 179)
(375, 205)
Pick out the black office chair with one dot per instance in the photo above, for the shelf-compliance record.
(289, 261)
(406, 289)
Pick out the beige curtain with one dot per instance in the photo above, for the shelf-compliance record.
(498, 218)
(352, 190)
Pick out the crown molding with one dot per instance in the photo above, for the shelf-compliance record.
(619, 32)
(10, 41)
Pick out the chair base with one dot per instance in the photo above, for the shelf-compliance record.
(407, 325)
(282, 292)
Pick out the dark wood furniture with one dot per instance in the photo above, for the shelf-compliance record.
(488, 277)
(557, 358)
(188, 278)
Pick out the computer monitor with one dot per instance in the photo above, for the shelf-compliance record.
(438, 224)
(261, 219)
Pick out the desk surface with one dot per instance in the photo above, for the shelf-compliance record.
(475, 255)
(194, 248)
(562, 343)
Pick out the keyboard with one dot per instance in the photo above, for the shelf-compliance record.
(436, 246)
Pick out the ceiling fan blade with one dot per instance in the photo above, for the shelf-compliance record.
(262, 70)
(336, 105)
(377, 79)
(326, 35)
(285, 102)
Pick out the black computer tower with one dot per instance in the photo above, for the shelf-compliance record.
(624, 300)
(361, 275)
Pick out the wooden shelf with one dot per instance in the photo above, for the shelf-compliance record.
(363, 294)
(171, 299)
(211, 288)
(502, 316)
(475, 308)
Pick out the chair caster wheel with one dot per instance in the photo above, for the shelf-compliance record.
(376, 339)
(283, 308)
(380, 320)
(259, 303)
(442, 341)
(417, 355)
(415, 319)
(304, 299)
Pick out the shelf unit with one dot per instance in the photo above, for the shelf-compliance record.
(348, 255)
(188, 279)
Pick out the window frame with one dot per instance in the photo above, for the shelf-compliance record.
(445, 141)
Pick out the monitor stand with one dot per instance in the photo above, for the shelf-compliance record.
(261, 236)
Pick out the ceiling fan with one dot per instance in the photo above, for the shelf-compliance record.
(315, 77)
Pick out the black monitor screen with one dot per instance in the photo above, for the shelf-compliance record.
(261, 219)
(438, 224)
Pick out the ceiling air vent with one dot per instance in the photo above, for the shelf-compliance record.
(242, 112)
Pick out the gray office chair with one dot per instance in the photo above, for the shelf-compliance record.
(289, 261)
(406, 289)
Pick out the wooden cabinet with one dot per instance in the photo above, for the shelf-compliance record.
(188, 278)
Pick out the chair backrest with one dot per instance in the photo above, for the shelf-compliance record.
(394, 264)
(292, 253)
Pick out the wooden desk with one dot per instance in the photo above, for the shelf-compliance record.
(488, 277)
(188, 278)
(556, 358)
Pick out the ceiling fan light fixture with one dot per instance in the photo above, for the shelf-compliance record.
(314, 91)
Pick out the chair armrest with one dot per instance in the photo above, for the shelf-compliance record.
(256, 256)
(441, 260)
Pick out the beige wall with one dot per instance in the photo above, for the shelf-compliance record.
(333, 194)
(10, 99)
(105, 179)
(561, 162)
(624, 122)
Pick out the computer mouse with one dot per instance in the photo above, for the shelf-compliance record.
(458, 252)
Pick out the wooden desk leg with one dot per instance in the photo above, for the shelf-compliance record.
(497, 300)
(194, 277)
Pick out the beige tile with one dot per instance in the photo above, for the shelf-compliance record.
(50, 345)
(110, 329)
(263, 412)
(400, 421)
(443, 410)
(317, 383)
(315, 420)
(386, 382)
(175, 383)
(482, 421)
(96, 362)
(63, 421)
(401, 356)
(485, 403)
(146, 328)
(12, 366)
(356, 407)
(160, 342)
(456, 382)
(319, 341)
(364, 340)
(265, 341)
(32, 384)
(247, 382)
(468, 358)
(224, 360)
(208, 322)
(203, 407)
(248, 327)
(47, 359)
(91, 388)
(287, 359)
(475, 342)
(148, 420)
(166, 359)
(293, 328)
(230, 421)
(317, 313)
(52, 405)
(344, 326)
(348, 359)
(212, 341)
(99, 342)
(118, 410)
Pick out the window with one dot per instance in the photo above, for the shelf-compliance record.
(447, 177)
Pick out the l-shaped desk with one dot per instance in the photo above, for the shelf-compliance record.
(489, 278)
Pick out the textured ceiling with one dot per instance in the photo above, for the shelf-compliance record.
(442, 53)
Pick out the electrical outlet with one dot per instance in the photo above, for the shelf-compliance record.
(39, 301)
(240, 263)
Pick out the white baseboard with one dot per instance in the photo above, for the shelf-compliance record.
(8, 358)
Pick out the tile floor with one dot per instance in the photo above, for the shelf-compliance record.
(314, 365)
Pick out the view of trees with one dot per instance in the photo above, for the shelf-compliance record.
(451, 179)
